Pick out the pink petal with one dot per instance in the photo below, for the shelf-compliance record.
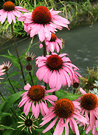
(92, 119)
(67, 128)
(35, 30)
(52, 79)
(13, 17)
(48, 119)
(51, 90)
(9, 17)
(21, 8)
(67, 78)
(58, 81)
(41, 108)
(3, 17)
(82, 91)
(23, 102)
(27, 108)
(75, 126)
(50, 125)
(36, 114)
(41, 45)
(49, 115)
(47, 32)
(41, 33)
(45, 108)
(27, 86)
(52, 97)
(33, 108)
(46, 76)
(41, 70)
(51, 102)
(63, 79)
(56, 131)
(72, 126)
(1, 11)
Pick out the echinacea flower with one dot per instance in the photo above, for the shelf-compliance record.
(53, 44)
(9, 11)
(65, 112)
(27, 123)
(29, 57)
(42, 22)
(89, 108)
(36, 96)
(55, 70)
(4, 67)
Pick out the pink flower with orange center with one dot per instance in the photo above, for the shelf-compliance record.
(89, 108)
(9, 11)
(65, 113)
(42, 22)
(56, 70)
(53, 44)
(36, 96)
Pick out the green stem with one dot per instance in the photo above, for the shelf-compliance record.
(31, 78)
(10, 82)
(2, 96)
(44, 53)
(17, 53)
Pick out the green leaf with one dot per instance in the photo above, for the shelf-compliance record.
(10, 89)
(62, 94)
(3, 114)
(6, 127)
(8, 132)
(14, 73)
(10, 100)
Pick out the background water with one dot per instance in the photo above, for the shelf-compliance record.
(81, 44)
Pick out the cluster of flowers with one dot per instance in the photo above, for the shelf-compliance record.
(55, 70)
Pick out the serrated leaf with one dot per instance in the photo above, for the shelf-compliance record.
(61, 94)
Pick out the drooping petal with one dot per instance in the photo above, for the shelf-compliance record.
(3, 17)
(92, 119)
(36, 114)
(42, 110)
(27, 107)
(23, 101)
(9, 18)
(27, 86)
(41, 33)
(13, 17)
(50, 125)
(45, 108)
(82, 91)
(75, 126)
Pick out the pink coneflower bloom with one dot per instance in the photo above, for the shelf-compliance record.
(10, 11)
(89, 108)
(4, 67)
(37, 96)
(66, 112)
(53, 44)
(42, 22)
(56, 70)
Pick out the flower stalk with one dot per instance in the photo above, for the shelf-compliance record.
(10, 81)
(17, 53)
(44, 53)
